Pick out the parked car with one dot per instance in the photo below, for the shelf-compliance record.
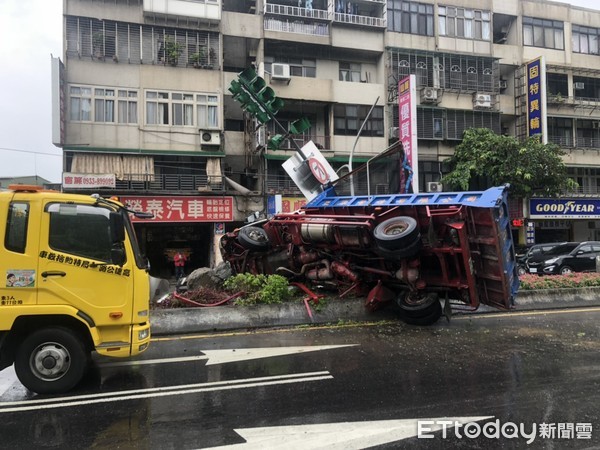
(536, 250)
(534, 263)
(581, 259)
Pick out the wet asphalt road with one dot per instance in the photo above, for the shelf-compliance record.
(539, 369)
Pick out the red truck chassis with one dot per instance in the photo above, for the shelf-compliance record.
(411, 248)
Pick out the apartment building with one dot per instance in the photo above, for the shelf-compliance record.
(143, 110)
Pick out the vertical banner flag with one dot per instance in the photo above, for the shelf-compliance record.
(536, 99)
(407, 131)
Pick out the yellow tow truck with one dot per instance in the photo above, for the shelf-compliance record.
(75, 282)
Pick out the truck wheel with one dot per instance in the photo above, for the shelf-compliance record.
(521, 270)
(51, 360)
(253, 238)
(425, 311)
(396, 233)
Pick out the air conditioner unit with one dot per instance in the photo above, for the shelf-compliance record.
(482, 101)
(394, 132)
(429, 95)
(502, 84)
(280, 71)
(210, 137)
(434, 186)
(579, 85)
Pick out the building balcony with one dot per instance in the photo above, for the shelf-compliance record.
(167, 184)
(298, 27)
(355, 19)
(570, 142)
(175, 9)
(295, 11)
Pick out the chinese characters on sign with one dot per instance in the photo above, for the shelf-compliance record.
(182, 209)
(407, 131)
(536, 99)
(91, 181)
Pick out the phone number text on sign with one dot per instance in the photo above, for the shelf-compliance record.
(182, 209)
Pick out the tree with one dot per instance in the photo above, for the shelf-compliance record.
(530, 167)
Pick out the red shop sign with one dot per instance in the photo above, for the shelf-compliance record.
(182, 209)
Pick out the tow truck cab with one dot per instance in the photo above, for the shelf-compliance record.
(74, 282)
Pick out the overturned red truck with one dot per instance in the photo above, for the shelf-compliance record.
(416, 251)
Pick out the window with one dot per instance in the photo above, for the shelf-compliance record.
(208, 113)
(127, 106)
(81, 103)
(134, 43)
(464, 23)
(585, 40)
(543, 33)
(104, 105)
(349, 72)
(349, 118)
(410, 17)
(298, 67)
(457, 121)
(72, 225)
(183, 109)
(97, 104)
(16, 227)
(157, 108)
(178, 109)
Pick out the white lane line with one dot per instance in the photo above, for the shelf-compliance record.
(134, 394)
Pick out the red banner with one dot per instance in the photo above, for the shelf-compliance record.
(182, 209)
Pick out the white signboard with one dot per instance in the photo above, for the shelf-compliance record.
(312, 174)
(89, 180)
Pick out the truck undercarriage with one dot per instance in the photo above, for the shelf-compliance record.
(411, 249)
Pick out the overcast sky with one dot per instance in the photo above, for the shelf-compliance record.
(31, 31)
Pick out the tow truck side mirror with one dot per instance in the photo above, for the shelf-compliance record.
(117, 228)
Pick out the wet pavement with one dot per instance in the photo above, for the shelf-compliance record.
(354, 386)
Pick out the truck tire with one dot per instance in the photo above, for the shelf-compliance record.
(51, 360)
(425, 312)
(396, 233)
(253, 238)
(404, 252)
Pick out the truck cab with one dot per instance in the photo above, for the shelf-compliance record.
(75, 282)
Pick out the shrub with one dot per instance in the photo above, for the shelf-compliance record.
(258, 289)
(572, 280)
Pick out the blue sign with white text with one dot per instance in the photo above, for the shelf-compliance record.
(534, 98)
(563, 208)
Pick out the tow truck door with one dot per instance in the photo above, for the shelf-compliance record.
(19, 261)
(75, 266)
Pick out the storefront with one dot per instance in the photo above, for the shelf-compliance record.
(192, 224)
(563, 219)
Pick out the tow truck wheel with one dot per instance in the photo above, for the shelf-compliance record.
(424, 311)
(396, 233)
(51, 360)
(253, 238)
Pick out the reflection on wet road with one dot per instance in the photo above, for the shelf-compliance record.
(352, 386)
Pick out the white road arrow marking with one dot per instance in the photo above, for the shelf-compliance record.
(230, 355)
(7, 379)
(342, 436)
(244, 354)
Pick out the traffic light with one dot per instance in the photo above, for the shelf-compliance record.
(256, 98)
(275, 142)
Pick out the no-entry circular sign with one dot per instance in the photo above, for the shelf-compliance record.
(317, 169)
